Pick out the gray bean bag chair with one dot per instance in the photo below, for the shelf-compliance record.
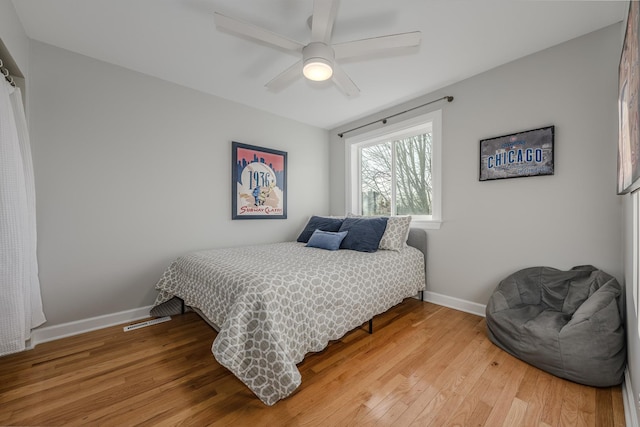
(568, 323)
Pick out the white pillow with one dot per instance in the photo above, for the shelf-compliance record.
(396, 234)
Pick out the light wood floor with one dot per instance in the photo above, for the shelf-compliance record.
(424, 365)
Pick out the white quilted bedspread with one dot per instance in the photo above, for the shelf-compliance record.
(275, 303)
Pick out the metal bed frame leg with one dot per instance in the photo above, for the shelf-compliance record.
(422, 295)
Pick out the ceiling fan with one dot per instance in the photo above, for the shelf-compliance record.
(319, 56)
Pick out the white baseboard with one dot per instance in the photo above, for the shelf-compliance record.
(455, 303)
(77, 327)
(629, 400)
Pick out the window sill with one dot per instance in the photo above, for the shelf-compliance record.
(427, 225)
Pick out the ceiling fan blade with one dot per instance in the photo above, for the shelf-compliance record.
(376, 44)
(285, 78)
(344, 82)
(324, 15)
(255, 33)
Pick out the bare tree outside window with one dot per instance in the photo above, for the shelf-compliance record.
(413, 175)
(411, 160)
(375, 164)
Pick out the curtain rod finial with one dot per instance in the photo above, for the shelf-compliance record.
(449, 98)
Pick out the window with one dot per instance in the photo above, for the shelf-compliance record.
(396, 170)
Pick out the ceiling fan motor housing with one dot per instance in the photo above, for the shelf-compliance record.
(317, 60)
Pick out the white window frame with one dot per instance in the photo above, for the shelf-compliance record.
(635, 278)
(424, 123)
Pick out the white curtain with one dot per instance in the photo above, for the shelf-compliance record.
(20, 301)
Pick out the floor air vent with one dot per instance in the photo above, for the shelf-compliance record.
(147, 323)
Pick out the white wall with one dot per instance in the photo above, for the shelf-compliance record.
(13, 36)
(132, 171)
(494, 228)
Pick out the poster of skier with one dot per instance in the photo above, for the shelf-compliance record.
(259, 178)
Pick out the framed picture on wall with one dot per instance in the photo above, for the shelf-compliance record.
(527, 153)
(259, 182)
(628, 106)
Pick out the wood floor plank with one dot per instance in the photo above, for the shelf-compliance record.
(569, 415)
(462, 378)
(437, 376)
(586, 406)
(508, 394)
(424, 365)
(516, 414)
(604, 407)
(617, 407)
(497, 373)
(472, 407)
(553, 402)
(536, 399)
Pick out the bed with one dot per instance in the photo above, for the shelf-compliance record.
(272, 304)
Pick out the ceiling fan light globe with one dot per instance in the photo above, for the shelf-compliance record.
(317, 70)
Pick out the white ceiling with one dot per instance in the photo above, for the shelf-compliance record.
(176, 40)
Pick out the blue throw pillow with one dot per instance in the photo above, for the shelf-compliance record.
(319, 223)
(364, 233)
(326, 239)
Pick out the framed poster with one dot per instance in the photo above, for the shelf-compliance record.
(528, 153)
(628, 107)
(259, 182)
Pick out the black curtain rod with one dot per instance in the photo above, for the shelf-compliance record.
(384, 120)
(6, 75)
